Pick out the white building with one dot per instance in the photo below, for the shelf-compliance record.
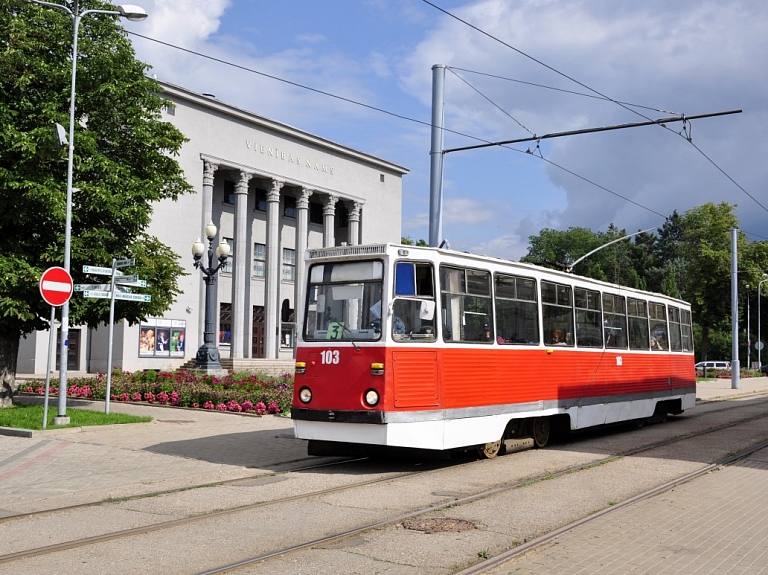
(272, 191)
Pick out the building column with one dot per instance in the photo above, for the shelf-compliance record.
(240, 273)
(272, 283)
(329, 215)
(302, 232)
(209, 169)
(354, 224)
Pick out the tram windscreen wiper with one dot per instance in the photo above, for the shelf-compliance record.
(352, 341)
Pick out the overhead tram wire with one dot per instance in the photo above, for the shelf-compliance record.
(608, 98)
(540, 156)
(376, 109)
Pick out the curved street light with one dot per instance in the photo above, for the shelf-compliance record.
(135, 14)
(207, 357)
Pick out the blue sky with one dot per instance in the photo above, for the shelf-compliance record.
(671, 58)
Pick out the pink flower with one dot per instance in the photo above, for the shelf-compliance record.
(136, 397)
(149, 397)
(162, 397)
(174, 398)
(234, 406)
(273, 407)
(195, 405)
(260, 408)
(221, 407)
(124, 397)
(247, 406)
(40, 389)
(113, 397)
(208, 405)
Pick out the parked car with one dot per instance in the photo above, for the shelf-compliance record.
(764, 369)
(713, 365)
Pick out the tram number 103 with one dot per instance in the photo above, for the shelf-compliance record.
(329, 356)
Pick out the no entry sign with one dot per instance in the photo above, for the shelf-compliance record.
(56, 286)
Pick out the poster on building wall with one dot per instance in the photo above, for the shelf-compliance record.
(159, 337)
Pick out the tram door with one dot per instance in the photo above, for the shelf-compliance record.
(257, 339)
(73, 350)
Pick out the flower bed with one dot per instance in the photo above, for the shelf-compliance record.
(237, 392)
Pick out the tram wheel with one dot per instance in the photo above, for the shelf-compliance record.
(640, 423)
(490, 450)
(540, 431)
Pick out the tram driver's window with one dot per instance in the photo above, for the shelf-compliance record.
(413, 311)
(557, 311)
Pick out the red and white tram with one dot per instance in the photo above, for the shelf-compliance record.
(428, 348)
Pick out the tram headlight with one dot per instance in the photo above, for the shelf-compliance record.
(305, 395)
(371, 397)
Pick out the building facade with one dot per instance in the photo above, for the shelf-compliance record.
(272, 191)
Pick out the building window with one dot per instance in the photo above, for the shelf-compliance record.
(260, 198)
(229, 192)
(315, 213)
(170, 108)
(225, 322)
(289, 264)
(381, 178)
(259, 260)
(343, 217)
(227, 265)
(289, 208)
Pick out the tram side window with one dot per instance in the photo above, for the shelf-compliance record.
(517, 315)
(557, 310)
(414, 304)
(637, 310)
(686, 330)
(466, 305)
(589, 332)
(675, 334)
(615, 321)
(658, 316)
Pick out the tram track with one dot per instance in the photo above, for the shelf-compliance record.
(457, 501)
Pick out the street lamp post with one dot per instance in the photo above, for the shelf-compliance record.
(749, 336)
(207, 357)
(133, 13)
(759, 341)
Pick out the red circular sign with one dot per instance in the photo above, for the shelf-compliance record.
(56, 286)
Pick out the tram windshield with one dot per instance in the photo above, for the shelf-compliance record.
(344, 301)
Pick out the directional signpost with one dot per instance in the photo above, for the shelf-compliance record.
(119, 288)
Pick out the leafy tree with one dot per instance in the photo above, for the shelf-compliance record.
(124, 161)
(408, 241)
(706, 248)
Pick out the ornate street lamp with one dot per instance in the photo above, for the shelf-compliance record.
(135, 14)
(207, 357)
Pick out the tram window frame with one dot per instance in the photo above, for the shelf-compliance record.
(675, 332)
(657, 314)
(413, 303)
(686, 328)
(466, 304)
(327, 319)
(517, 309)
(615, 321)
(589, 327)
(637, 316)
(557, 313)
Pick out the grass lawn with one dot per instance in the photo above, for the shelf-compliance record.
(23, 416)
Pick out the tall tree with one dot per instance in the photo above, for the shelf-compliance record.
(706, 248)
(124, 161)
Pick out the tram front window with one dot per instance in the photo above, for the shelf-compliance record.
(344, 301)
